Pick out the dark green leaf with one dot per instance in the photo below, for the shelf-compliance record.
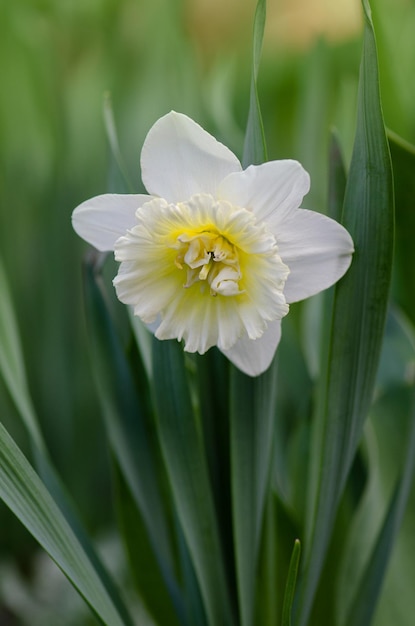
(143, 564)
(13, 371)
(403, 160)
(252, 410)
(184, 456)
(290, 586)
(12, 366)
(213, 396)
(268, 597)
(23, 492)
(358, 319)
(364, 604)
(128, 424)
(337, 179)
(385, 444)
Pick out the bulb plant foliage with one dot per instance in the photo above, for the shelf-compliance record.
(262, 443)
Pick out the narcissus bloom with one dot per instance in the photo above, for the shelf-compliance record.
(215, 254)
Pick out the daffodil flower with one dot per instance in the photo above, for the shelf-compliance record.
(215, 254)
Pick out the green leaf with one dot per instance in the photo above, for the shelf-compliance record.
(337, 179)
(364, 604)
(25, 494)
(212, 378)
(143, 565)
(112, 137)
(311, 114)
(385, 444)
(323, 311)
(252, 414)
(255, 150)
(267, 608)
(128, 424)
(290, 586)
(11, 363)
(184, 456)
(403, 159)
(13, 370)
(358, 319)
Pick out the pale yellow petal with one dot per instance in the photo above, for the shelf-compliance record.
(210, 271)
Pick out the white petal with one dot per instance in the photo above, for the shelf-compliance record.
(180, 159)
(253, 357)
(317, 250)
(271, 190)
(103, 219)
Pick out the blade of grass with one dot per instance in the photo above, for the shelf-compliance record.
(358, 319)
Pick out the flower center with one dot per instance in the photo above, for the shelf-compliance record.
(209, 259)
(181, 263)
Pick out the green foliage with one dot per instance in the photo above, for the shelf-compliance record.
(24, 493)
(358, 317)
(252, 423)
(189, 477)
(255, 150)
(290, 587)
(215, 475)
(128, 420)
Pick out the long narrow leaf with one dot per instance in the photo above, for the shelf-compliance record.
(126, 421)
(24, 493)
(365, 602)
(11, 363)
(213, 396)
(252, 401)
(290, 586)
(13, 371)
(336, 191)
(374, 476)
(187, 469)
(403, 160)
(255, 150)
(268, 597)
(112, 136)
(337, 179)
(252, 409)
(144, 567)
(358, 316)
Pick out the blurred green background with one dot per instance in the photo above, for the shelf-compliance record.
(58, 58)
